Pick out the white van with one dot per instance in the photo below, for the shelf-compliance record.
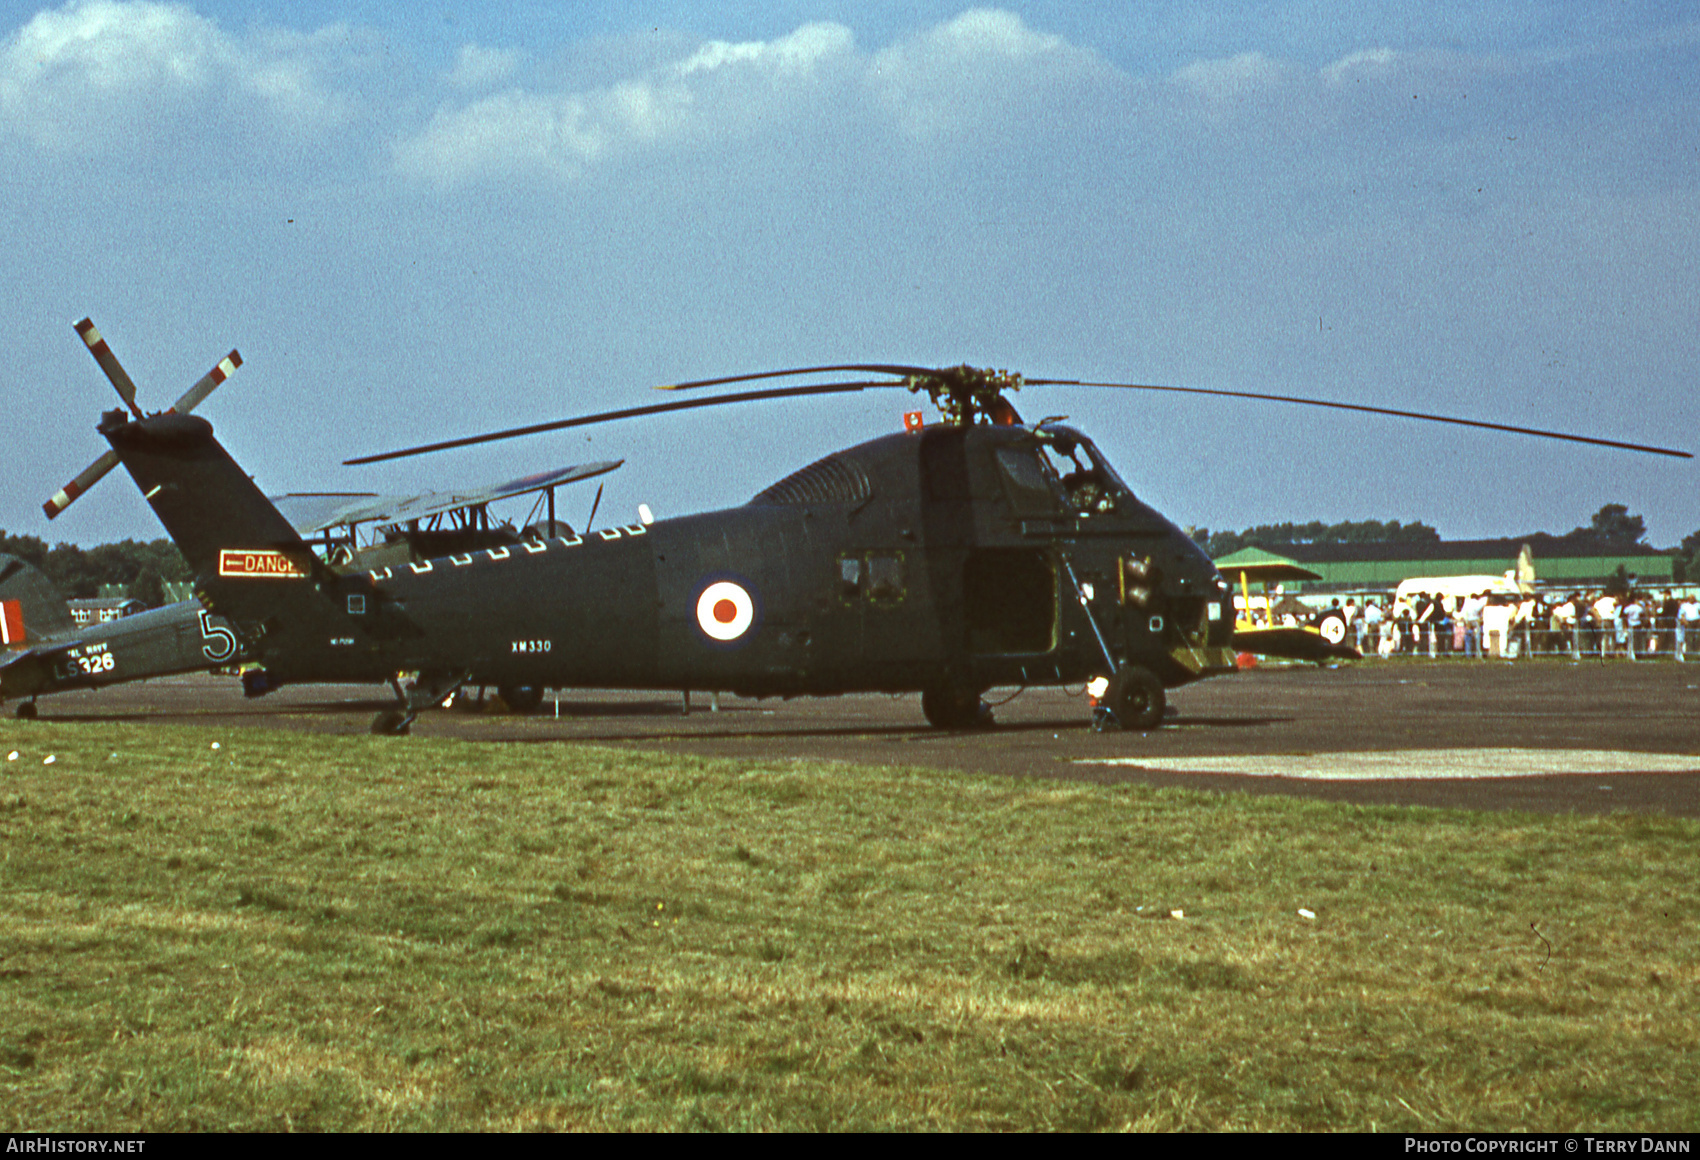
(1457, 587)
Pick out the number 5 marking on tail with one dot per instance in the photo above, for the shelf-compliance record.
(221, 642)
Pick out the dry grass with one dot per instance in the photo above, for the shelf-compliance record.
(380, 934)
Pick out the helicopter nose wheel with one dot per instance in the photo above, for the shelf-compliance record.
(955, 709)
(1135, 701)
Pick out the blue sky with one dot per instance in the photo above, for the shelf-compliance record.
(417, 224)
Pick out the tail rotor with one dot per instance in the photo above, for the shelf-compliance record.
(126, 389)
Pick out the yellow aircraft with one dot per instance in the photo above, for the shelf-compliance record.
(1323, 639)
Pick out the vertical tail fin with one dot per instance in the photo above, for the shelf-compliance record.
(30, 606)
(249, 562)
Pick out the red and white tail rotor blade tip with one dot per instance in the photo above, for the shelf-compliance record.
(208, 383)
(109, 363)
(89, 476)
(126, 389)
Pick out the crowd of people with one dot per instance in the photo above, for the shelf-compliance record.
(1631, 625)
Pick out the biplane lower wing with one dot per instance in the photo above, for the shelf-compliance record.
(1292, 642)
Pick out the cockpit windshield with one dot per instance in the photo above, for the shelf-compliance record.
(1091, 484)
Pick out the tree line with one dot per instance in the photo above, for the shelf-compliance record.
(1614, 523)
(79, 572)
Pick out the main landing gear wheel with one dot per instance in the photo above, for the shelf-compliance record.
(1332, 625)
(25, 711)
(955, 709)
(522, 699)
(1136, 699)
(392, 723)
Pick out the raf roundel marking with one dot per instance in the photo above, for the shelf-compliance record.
(725, 611)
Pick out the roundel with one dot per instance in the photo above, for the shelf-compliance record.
(725, 610)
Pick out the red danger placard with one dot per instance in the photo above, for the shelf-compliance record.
(260, 564)
(11, 622)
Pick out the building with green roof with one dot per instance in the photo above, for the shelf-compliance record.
(1560, 562)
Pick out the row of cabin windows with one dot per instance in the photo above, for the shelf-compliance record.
(876, 577)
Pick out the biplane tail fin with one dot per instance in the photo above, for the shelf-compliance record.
(247, 559)
(31, 607)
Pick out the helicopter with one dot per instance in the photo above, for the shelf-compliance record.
(50, 653)
(955, 556)
(45, 652)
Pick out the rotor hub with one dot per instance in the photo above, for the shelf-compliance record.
(964, 393)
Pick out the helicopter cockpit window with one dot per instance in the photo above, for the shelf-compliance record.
(1032, 492)
(1092, 487)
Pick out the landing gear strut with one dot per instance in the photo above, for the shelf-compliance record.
(428, 690)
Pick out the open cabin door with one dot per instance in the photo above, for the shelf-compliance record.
(1010, 601)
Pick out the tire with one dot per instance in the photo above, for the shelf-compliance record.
(391, 723)
(1332, 625)
(258, 682)
(1137, 699)
(522, 699)
(955, 709)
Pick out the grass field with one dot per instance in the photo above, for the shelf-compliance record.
(251, 930)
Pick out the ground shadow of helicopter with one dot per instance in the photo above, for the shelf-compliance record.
(956, 556)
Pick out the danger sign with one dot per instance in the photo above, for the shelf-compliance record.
(260, 563)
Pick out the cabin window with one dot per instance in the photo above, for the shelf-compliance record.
(876, 577)
(1090, 482)
(849, 578)
(885, 577)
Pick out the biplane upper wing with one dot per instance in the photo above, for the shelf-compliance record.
(311, 513)
(1271, 573)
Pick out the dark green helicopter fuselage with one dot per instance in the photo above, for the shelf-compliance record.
(947, 557)
(956, 558)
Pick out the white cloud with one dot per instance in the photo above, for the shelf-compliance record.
(722, 88)
(1369, 64)
(479, 68)
(95, 73)
(1236, 84)
(988, 32)
(967, 71)
(979, 65)
(793, 55)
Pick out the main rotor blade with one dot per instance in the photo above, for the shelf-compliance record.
(109, 363)
(1536, 431)
(858, 368)
(627, 413)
